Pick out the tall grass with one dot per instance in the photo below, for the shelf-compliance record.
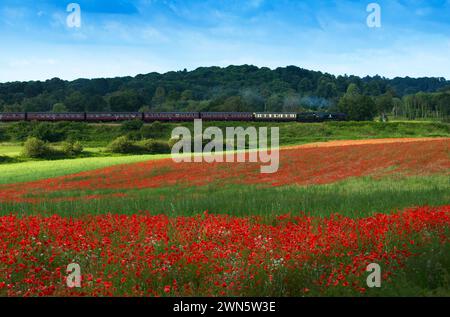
(358, 197)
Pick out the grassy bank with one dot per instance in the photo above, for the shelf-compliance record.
(98, 135)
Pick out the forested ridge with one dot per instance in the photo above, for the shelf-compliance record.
(235, 88)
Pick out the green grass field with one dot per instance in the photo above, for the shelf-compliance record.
(356, 197)
(10, 149)
(35, 170)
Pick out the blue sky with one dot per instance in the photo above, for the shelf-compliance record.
(129, 37)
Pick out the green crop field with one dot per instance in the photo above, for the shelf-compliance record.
(355, 197)
(35, 170)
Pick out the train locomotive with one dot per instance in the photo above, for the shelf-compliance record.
(98, 117)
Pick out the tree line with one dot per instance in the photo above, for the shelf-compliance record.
(235, 88)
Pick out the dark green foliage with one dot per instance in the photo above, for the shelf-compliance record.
(234, 88)
(132, 125)
(45, 131)
(72, 148)
(36, 148)
(59, 107)
(423, 106)
(156, 130)
(358, 107)
(96, 103)
(134, 135)
(6, 159)
(128, 100)
(123, 145)
(61, 131)
(132, 129)
(3, 136)
(154, 147)
(19, 131)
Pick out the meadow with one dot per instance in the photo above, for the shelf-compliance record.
(146, 226)
(41, 169)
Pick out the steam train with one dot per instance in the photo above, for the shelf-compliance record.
(172, 116)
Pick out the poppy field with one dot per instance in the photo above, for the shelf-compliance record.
(157, 228)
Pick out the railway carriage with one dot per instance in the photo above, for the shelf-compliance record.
(113, 116)
(226, 116)
(267, 116)
(47, 116)
(12, 116)
(171, 116)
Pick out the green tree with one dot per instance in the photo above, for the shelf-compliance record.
(234, 103)
(352, 90)
(59, 107)
(75, 102)
(274, 103)
(145, 109)
(305, 87)
(127, 100)
(384, 104)
(357, 107)
(187, 95)
(96, 103)
(160, 96)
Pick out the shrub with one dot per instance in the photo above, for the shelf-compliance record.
(19, 131)
(36, 148)
(131, 125)
(153, 131)
(78, 147)
(154, 147)
(123, 145)
(134, 135)
(72, 148)
(47, 132)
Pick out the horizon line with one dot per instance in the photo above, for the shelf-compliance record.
(224, 67)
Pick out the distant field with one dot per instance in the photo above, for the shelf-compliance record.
(34, 170)
(15, 149)
(10, 149)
